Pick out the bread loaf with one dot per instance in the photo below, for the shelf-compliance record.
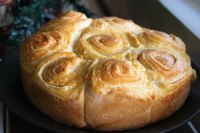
(108, 73)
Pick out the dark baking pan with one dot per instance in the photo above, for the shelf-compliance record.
(12, 95)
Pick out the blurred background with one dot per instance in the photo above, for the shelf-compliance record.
(21, 18)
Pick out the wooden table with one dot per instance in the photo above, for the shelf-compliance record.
(150, 14)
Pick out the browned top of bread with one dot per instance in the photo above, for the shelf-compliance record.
(103, 61)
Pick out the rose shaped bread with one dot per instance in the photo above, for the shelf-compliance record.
(107, 74)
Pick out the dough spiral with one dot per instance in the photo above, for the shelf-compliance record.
(108, 73)
(122, 84)
(40, 46)
(157, 38)
(112, 74)
(96, 44)
(172, 69)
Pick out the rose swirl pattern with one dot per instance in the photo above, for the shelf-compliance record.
(40, 46)
(172, 68)
(96, 44)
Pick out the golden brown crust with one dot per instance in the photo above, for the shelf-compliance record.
(108, 73)
(57, 87)
(97, 45)
(66, 111)
(161, 39)
(39, 46)
(119, 91)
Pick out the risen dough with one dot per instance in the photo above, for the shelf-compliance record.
(107, 74)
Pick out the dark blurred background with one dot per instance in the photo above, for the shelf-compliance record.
(147, 13)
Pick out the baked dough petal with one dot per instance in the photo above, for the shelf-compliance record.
(119, 91)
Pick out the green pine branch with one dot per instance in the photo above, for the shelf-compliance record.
(30, 15)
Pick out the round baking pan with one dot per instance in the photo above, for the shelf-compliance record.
(11, 93)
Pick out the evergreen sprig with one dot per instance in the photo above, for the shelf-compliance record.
(31, 14)
(28, 19)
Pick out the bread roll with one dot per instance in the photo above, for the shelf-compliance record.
(107, 74)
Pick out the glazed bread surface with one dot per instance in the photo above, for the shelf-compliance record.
(108, 73)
